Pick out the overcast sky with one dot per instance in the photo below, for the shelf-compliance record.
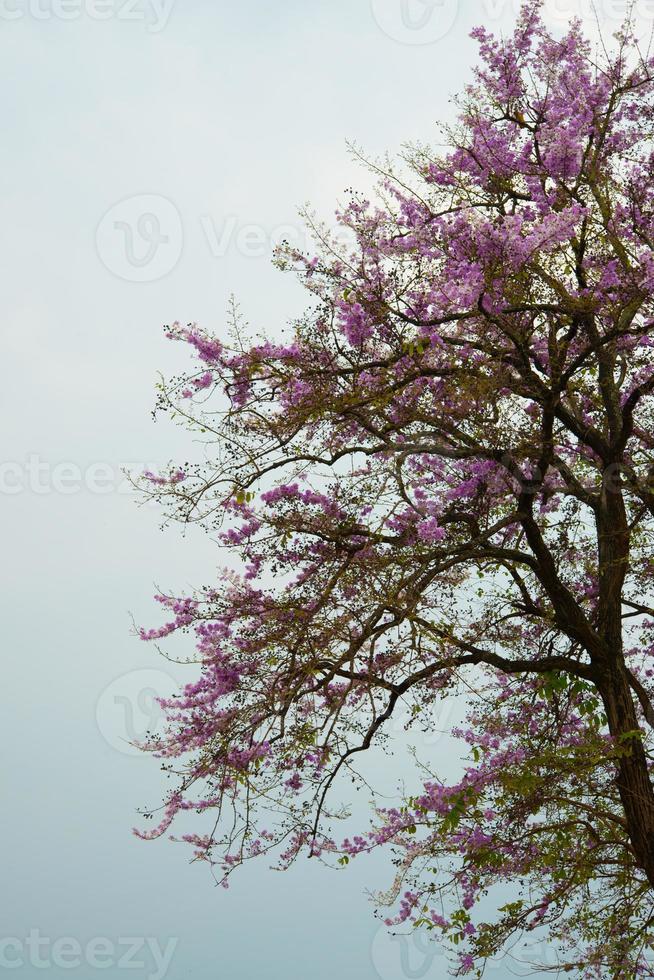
(152, 153)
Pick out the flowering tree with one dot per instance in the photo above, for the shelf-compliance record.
(443, 482)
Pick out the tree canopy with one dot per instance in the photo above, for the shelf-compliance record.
(442, 483)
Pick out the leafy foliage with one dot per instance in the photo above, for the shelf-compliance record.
(443, 483)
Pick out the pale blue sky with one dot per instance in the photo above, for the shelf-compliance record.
(219, 120)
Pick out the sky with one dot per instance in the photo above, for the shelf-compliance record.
(153, 152)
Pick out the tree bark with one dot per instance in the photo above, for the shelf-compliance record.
(633, 779)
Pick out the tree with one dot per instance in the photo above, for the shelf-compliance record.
(443, 482)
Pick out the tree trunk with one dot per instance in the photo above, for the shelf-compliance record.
(633, 779)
